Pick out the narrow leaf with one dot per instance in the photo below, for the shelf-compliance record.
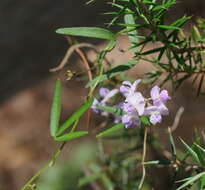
(88, 179)
(76, 115)
(192, 180)
(56, 109)
(111, 130)
(71, 136)
(92, 32)
(191, 152)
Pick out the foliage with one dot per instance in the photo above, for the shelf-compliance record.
(122, 151)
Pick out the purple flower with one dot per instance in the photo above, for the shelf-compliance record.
(137, 101)
(128, 108)
(156, 113)
(130, 120)
(103, 92)
(159, 97)
(128, 88)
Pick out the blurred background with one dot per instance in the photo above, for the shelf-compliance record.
(29, 47)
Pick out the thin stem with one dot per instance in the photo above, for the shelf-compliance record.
(47, 165)
(143, 159)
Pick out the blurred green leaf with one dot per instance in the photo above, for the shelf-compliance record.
(71, 136)
(93, 32)
(129, 19)
(88, 179)
(191, 180)
(173, 147)
(111, 130)
(75, 116)
(109, 109)
(191, 152)
(145, 120)
(56, 109)
(153, 162)
(168, 27)
(109, 185)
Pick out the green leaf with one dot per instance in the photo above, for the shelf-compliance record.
(153, 162)
(191, 180)
(107, 182)
(114, 110)
(173, 147)
(112, 72)
(56, 109)
(75, 116)
(111, 130)
(145, 120)
(191, 152)
(129, 19)
(88, 179)
(166, 27)
(92, 32)
(71, 136)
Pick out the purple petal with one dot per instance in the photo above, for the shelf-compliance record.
(124, 90)
(135, 84)
(155, 118)
(128, 108)
(163, 110)
(103, 92)
(127, 83)
(127, 121)
(150, 109)
(110, 95)
(164, 95)
(95, 103)
(155, 93)
(137, 101)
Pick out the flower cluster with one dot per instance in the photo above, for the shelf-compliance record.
(135, 105)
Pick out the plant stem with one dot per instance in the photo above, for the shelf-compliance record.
(143, 159)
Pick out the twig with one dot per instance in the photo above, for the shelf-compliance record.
(143, 159)
(69, 53)
(177, 119)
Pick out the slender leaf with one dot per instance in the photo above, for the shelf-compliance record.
(71, 136)
(111, 130)
(76, 115)
(173, 147)
(92, 32)
(192, 180)
(113, 110)
(191, 152)
(56, 109)
(88, 179)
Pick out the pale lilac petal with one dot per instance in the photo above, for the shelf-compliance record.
(110, 95)
(163, 110)
(124, 90)
(127, 83)
(103, 92)
(164, 95)
(127, 121)
(95, 103)
(137, 101)
(155, 118)
(150, 109)
(155, 93)
(134, 85)
(128, 108)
